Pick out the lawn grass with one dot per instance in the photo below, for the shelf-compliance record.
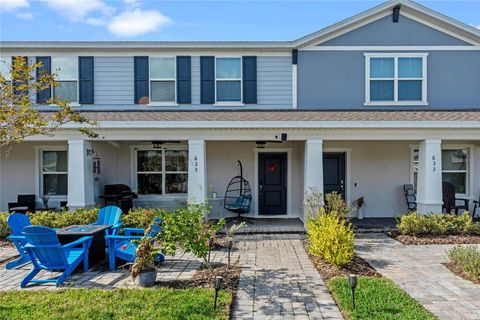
(376, 298)
(122, 304)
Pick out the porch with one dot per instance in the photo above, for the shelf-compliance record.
(172, 172)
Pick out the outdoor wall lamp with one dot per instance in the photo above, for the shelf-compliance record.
(352, 282)
(218, 285)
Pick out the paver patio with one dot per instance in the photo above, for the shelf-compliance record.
(278, 281)
(420, 272)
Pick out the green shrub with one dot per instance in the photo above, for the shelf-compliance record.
(62, 219)
(415, 224)
(141, 217)
(468, 258)
(4, 230)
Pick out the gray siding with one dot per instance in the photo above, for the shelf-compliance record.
(274, 83)
(336, 80)
(113, 80)
(384, 32)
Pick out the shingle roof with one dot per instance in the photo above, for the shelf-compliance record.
(291, 115)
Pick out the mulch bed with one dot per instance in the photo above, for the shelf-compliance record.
(357, 266)
(430, 239)
(456, 269)
(4, 243)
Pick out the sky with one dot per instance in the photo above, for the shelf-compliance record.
(177, 20)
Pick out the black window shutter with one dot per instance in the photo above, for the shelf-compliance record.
(44, 95)
(17, 92)
(207, 80)
(184, 79)
(85, 80)
(249, 79)
(141, 78)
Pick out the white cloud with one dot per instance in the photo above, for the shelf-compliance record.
(13, 4)
(78, 10)
(136, 22)
(25, 15)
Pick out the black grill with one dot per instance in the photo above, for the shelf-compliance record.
(119, 194)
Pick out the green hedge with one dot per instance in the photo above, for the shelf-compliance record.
(137, 218)
(415, 224)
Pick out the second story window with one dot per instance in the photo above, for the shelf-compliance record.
(396, 79)
(5, 67)
(228, 79)
(162, 80)
(66, 69)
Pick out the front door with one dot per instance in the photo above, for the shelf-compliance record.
(272, 183)
(334, 173)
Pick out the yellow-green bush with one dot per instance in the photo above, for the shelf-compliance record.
(415, 224)
(468, 258)
(4, 230)
(331, 237)
(54, 219)
(141, 217)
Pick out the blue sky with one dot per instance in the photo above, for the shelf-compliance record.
(188, 20)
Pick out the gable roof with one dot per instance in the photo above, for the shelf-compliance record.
(409, 8)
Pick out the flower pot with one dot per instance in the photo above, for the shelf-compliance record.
(146, 278)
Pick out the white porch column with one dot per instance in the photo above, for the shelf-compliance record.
(313, 167)
(429, 183)
(197, 171)
(80, 175)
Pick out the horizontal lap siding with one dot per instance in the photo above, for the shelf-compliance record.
(274, 82)
(114, 83)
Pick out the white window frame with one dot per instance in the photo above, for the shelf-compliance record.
(396, 102)
(229, 103)
(39, 171)
(469, 172)
(134, 172)
(58, 79)
(150, 79)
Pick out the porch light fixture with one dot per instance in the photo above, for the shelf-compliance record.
(260, 144)
(218, 285)
(352, 282)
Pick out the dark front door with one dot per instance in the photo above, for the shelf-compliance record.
(272, 183)
(334, 173)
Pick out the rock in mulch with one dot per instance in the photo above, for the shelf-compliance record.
(357, 266)
(430, 239)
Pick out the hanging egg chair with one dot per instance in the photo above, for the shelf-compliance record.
(238, 195)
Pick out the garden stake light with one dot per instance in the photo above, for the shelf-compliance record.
(352, 281)
(218, 285)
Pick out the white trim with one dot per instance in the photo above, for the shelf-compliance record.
(470, 171)
(288, 151)
(392, 48)
(348, 170)
(294, 86)
(150, 79)
(234, 102)
(39, 174)
(134, 172)
(395, 79)
(229, 104)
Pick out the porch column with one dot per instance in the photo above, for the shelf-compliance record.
(80, 175)
(313, 167)
(429, 183)
(197, 171)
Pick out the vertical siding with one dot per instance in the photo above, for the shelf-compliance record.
(114, 80)
(196, 80)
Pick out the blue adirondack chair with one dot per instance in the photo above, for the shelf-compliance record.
(16, 222)
(123, 248)
(47, 253)
(110, 215)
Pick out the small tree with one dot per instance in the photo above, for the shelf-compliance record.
(19, 117)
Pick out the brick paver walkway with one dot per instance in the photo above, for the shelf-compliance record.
(278, 280)
(420, 272)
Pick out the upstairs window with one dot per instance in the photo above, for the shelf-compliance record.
(228, 79)
(5, 67)
(162, 80)
(396, 79)
(66, 69)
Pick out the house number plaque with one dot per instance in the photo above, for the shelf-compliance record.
(434, 167)
(196, 163)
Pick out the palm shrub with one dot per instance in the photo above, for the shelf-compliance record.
(329, 232)
(467, 258)
(415, 224)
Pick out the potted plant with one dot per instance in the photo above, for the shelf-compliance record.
(143, 269)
